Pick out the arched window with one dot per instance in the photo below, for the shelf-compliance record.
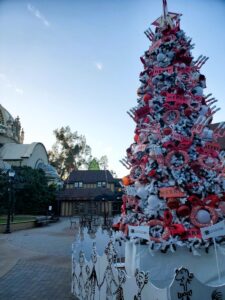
(1, 118)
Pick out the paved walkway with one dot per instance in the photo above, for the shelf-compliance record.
(36, 263)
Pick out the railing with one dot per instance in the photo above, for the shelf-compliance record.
(104, 277)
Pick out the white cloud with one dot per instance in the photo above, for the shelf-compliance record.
(19, 91)
(35, 12)
(5, 81)
(3, 76)
(99, 66)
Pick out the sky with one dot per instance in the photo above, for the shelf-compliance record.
(76, 63)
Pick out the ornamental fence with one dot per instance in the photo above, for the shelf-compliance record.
(105, 278)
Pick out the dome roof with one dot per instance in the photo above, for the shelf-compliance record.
(9, 127)
(5, 116)
(49, 170)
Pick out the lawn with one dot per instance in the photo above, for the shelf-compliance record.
(17, 218)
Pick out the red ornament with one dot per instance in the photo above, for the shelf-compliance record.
(167, 131)
(147, 97)
(211, 200)
(173, 203)
(167, 216)
(152, 173)
(194, 200)
(116, 226)
(187, 112)
(183, 211)
(177, 229)
(136, 138)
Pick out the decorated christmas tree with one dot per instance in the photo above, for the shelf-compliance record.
(176, 183)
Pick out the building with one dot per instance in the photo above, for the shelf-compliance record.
(90, 192)
(14, 153)
(220, 140)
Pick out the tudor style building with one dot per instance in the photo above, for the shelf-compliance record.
(90, 192)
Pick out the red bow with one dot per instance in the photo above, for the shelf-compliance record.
(175, 229)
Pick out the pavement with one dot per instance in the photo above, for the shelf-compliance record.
(36, 263)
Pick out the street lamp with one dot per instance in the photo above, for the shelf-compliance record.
(11, 175)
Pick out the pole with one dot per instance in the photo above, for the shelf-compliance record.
(7, 229)
(217, 261)
(13, 204)
(165, 9)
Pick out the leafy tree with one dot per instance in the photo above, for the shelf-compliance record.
(32, 193)
(103, 162)
(113, 174)
(3, 193)
(69, 152)
(94, 164)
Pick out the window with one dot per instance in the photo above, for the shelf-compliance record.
(101, 184)
(78, 184)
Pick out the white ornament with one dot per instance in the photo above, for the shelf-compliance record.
(142, 193)
(203, 216)
(154, 202)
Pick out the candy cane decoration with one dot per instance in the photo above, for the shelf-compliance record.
(131, 115)
(211, 101)
(201, 60)
(125, 164)
(213, 110)
(149, 33)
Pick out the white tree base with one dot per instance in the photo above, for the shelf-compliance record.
(162, 266)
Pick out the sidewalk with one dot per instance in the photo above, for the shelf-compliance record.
(36, 263)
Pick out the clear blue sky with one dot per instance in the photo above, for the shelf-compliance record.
(76, 63)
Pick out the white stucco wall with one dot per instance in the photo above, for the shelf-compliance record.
(39, 154)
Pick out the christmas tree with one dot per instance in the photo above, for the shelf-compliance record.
(176, 184)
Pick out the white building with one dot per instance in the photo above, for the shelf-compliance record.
(13, 152)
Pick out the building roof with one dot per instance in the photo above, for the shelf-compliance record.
(90, 176)
(10, 127)
(85, 194)
(13, 151)
(221, 141)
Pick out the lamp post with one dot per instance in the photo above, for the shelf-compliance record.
(11, 175)
(103, 199)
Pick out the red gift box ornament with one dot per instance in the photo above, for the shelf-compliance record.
(211, 147)
(159, 70)
(171, 192)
